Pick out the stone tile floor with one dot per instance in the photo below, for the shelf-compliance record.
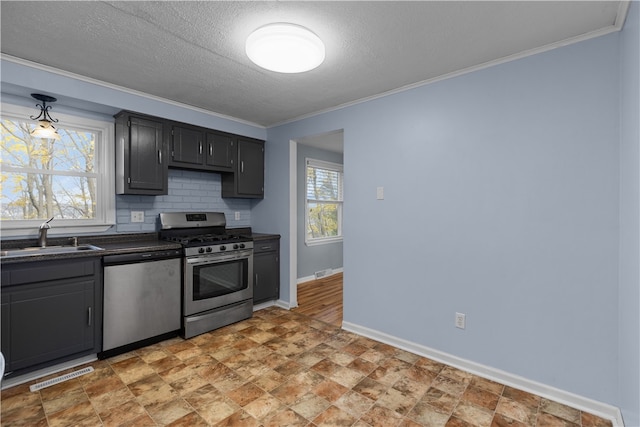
(280, 369)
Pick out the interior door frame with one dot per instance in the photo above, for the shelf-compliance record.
(293, 224)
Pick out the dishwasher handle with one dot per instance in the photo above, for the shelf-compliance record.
(141, 257)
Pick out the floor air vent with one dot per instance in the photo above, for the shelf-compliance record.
(324, 273)
(60, 379)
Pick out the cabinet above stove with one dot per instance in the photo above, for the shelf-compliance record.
(147, 146)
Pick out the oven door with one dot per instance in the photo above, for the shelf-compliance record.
(213, 281)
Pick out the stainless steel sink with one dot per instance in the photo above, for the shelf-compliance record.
(49, 250)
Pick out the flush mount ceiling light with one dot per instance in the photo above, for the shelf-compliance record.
(285, 48)
(45, 128)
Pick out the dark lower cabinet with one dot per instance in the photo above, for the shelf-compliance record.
(51, 312)
(266, 270)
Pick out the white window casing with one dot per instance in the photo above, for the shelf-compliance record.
(333, 197)
(104, 215)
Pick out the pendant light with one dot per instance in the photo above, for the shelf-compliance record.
(45, 128)
(285, 48)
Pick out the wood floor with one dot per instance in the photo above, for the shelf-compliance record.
(322, 299)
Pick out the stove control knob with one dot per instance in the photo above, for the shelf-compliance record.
(201, 250)
(241, 245)
(209, 249)
(235, 246)
(223, 248)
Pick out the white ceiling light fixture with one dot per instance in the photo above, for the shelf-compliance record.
(285, 48)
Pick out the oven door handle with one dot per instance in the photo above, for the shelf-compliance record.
(214, 259)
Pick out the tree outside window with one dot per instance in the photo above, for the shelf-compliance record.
(324, 198)
(44, 178)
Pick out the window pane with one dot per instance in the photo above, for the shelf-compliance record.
(322, 220)
(75, 151)
(41, 196)
(64, 191)
(323, 184)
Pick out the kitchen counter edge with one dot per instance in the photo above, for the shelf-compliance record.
(111, 245)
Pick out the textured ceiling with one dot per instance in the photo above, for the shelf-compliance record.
(192, 52)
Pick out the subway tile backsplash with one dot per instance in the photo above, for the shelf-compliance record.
(188, 191)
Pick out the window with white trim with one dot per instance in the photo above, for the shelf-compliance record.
(70, 179)
(324, 198)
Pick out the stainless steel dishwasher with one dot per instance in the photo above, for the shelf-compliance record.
(142, 297)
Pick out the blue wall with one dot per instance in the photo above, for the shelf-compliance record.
(629, 333)
(504, 184)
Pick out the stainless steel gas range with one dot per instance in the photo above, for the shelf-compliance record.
(217, 270)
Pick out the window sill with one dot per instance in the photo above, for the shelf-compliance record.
(318, 242)
(59, 231)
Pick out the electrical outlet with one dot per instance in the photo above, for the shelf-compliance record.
(461, 320)
(237, 216)
(137, 216)
(380, 193)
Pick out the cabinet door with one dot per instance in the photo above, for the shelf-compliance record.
(250, 174)
(220, 152)
(6, 330)
(50, 321)
(266, 281)
(147, 171)
(187, 146)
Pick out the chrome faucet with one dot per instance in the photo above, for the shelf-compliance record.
(42, 236)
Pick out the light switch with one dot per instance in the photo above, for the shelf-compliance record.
(380, 193)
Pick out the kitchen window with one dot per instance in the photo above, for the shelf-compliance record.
(324, 198)
(70, 179)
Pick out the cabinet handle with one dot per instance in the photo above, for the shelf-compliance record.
(210, 150)
(200, 147)
(89, 317)
(159, 157)
(242, 166)
(255, 285)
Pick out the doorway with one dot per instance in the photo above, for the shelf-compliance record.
(310, 262)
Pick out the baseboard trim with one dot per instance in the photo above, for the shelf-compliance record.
(313, 277)
(283, 304)
(600, 409)
(278, 303)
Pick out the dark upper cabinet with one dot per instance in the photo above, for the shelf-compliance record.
(51, 312)
(141, 166)
(248, 178)
(147, 146)
(198, 148)
(220, 151)
(266, 270)
(187, 146)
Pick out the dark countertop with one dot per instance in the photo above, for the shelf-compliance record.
(264, 236)
(111, 245)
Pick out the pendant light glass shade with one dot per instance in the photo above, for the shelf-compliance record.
(285, 48)
(45, 128)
